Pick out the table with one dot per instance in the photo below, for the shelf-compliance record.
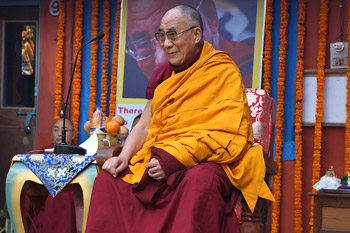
(331, 211)
(19, 174)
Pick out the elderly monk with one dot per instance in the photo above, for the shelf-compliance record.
(56, 131)
(182, 164)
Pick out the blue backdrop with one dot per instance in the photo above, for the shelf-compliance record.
(288, 151)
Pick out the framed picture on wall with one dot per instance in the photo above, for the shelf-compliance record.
(234, 26)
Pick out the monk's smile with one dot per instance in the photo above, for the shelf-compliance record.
(172, 53)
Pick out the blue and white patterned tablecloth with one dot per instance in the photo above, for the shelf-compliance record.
(55, 170)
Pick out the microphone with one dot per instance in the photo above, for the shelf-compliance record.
(63, 147)
(99, 35)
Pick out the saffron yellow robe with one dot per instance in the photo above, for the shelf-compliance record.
(201, 114)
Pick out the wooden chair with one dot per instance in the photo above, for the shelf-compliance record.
(262, 110)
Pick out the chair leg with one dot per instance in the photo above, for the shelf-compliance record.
(86, 180)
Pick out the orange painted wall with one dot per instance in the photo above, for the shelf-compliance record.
(47, 69)
(332, 155)
(334, 22)
(333, 147)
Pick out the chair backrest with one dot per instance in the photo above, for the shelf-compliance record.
(262, 114)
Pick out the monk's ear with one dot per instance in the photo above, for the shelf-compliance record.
(197, 35)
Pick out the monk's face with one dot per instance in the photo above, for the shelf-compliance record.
(184, 47)
(56, 132)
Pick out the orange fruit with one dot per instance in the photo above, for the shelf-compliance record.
(112, 127)
(87, 127)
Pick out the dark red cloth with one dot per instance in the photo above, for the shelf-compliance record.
(48, 214)
(190, 200)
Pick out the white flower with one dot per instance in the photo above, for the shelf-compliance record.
(51, 171)
(61, 171)
(251, 97)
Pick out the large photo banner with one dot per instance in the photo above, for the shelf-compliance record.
(234, 26)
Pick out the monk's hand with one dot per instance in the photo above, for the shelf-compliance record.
(115, 165)
(155, 170)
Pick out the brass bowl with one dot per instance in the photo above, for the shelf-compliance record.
(111, 139)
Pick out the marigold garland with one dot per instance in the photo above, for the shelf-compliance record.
(347, 124)
(279, 116)
(321, 62)
(113, 93)
(298, 120)
(268, 45)
(59, 59)
(93, 62)
(78, 29)
(105, 51)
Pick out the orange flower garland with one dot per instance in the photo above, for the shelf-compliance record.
(279, 116)
(105, 51)
(113, 94)
(321, 62)
(298, 120)
(268, 45)
(59, 60)
(93, 62)
(347, 124)
(78, 29)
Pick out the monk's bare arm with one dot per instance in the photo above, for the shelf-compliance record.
(133, 143)
(138, 135)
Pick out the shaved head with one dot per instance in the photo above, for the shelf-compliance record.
(192, 13)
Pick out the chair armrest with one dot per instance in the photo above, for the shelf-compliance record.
(271, 165)
(105, 153)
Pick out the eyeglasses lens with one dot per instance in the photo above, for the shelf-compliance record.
(141, 49)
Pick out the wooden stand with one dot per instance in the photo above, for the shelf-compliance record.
(331, 211)
(21, 180)
(260, 220)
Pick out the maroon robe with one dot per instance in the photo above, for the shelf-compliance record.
(50, 214)
(190, 200)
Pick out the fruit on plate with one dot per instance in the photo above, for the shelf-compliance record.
(123, 130)
(119, 119)
(87, 127)
(112, 127)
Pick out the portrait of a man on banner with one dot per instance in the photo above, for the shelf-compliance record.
(229, 25)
